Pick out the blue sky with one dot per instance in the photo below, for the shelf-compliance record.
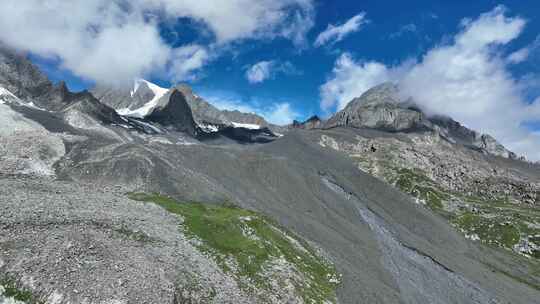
(212, 46)
(396, 31)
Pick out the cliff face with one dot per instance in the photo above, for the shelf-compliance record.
(173, 110)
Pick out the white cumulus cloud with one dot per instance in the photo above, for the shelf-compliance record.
(350, 80)
(186, 60)
(259, 72)
(519, 56)
(237, 19)
(268, 69)
(114, 41)
(467, 79)
(280, 114)
(336, 33)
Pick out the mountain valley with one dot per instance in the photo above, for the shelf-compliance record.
(153, 195)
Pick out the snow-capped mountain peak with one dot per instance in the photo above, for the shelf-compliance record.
(142, 111)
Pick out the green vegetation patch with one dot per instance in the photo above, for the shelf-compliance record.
(499, 221)
(253, 241)
(493, 230)
(11, 290)
(417, 184)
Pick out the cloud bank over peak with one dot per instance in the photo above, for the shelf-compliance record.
(116, 41)
(467, 79)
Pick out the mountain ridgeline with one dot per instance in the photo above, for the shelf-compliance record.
(153, 195)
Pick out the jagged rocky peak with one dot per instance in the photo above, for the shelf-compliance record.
(140, 100)
(458, 133)
(20, 76)
(173, 111)
(379, 108)
(136, 101)
(206, 113)
(85, 103)
(385, 93)
(383, 107)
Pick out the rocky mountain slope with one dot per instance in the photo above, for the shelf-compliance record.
(144, 97)
(349, 210)
(466, 177)
(383, 108)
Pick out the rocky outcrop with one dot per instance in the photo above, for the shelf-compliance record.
(173, 111)
(457, 133)
(379, 108)
(204, 112)
(20, 76)
(383, 108)
(129, 100)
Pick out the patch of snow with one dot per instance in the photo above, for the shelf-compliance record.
(7, 97)
(246, 126)
(5, 92)
(161, 140)
(147, 108)
(183, 142)
(32, 105)
(123, 126)
(210, 128)
(150, 126)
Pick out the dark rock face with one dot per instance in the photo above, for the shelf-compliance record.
(27, 82)
(241, 135)
(204, 112)
(457, 133)
(20, 76)
(86, 103)
(173, 111)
